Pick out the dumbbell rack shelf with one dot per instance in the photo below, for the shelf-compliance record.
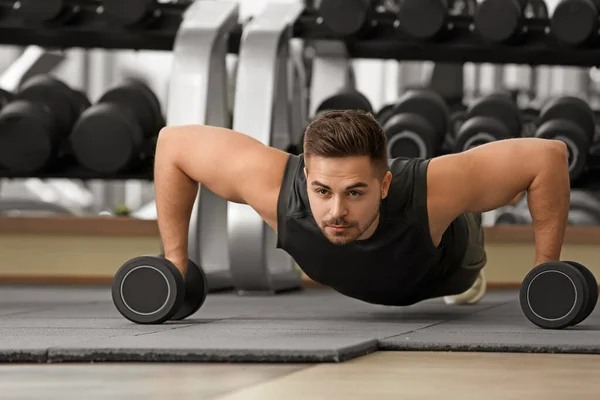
(89, 30)
(384, 39)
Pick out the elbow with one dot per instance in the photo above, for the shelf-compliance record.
(166, 145)
(557, 153)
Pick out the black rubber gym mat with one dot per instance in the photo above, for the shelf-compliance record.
(40, 324)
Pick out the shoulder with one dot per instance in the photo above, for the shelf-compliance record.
(409, 181)
(293, 197)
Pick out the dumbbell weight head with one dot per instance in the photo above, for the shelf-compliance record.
(385, 112)
(499, 20)
(410, 135)
(113, 135)
(574, 22)
(501, 107)
(130, 12)
(345, 100)
(572, 121)
(196, 289)
(43, 11)
(345, 18)
(148, 290)
(34, 125)
(418, 124)
(592, 286)
(423, 19)
(553, 295)
(488, 119)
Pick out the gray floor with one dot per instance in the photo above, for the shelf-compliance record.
(41, 324)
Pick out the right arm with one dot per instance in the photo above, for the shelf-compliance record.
(234, 166)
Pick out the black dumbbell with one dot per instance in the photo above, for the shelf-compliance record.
(422, 19)
(584, 209)
(44, 11)
(118, 133)
(346, 18)
(514, 216)
(385, 112)
(501, 21)
(131, 12)
(575, 22)
(555, 295)
(488, 119)
(347, 99)
(530, 117)
(572, 121)
(417, 126)
(151, 290)
(35, 125)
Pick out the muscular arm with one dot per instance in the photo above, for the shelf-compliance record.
(489, 176)
(232, 165)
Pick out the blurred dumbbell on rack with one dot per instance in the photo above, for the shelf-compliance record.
(584, 210)
(575, 22)
(488, 119)
(572, 121)
(422, 19)
(34, 126)
(346, 18)
(416, 125)
(501, 21)
(118, 133)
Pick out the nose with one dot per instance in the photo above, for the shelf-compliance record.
(338, 208)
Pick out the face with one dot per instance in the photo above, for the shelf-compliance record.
(344, 195)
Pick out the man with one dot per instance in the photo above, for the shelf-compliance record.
(391, 232)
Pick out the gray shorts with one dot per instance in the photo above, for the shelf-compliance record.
(461, 277)
(475, 258)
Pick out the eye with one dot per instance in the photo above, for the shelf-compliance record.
(322, 192)
(355, 193)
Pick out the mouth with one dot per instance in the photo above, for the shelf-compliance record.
(338, 228)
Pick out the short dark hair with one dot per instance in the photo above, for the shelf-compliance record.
(347, 133)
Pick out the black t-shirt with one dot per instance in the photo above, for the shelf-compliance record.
(393, 266)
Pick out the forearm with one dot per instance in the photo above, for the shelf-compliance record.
(175, 193)
(548, 198)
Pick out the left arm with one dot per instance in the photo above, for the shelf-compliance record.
(490, 176)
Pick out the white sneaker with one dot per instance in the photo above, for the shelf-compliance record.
(472, 295)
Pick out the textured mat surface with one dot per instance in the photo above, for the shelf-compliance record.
(40, 324)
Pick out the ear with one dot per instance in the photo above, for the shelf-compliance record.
(385, 184)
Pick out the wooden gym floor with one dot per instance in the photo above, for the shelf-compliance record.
(381, 375)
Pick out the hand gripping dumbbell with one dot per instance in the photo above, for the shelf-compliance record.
(34, 126)
(417, 124)
(118, 132)
(151, 290)
(556, 295)
(488, 119)
(572, 121)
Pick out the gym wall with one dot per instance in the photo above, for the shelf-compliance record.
(91, 247)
